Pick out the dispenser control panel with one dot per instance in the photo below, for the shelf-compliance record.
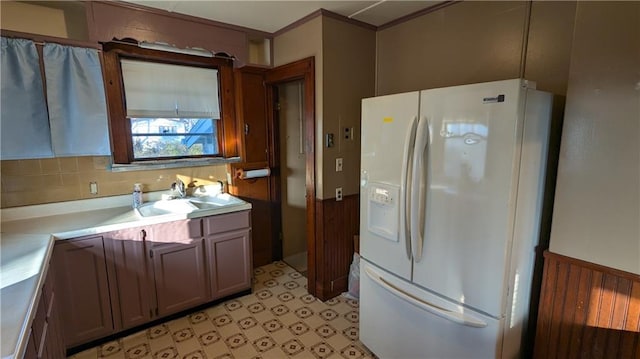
(383, 210)
(382, 196)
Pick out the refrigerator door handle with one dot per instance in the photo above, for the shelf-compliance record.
(407, 163)
(453, 316)
(418, 188)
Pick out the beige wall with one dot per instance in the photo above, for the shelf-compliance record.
(345, 73)
(467, 42)
(349, 76)
(23, 17)
(299, 43)
(549, 45)
(597, 206)
(292, 169)
(27, 182)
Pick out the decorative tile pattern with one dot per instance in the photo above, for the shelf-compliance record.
(138, 351)
(110, 348)
(247, 323)
(292, 347)
(198, 317)
(222, 320)
(209, 338)
(298, 328)
(321, 350)
(236, 341)
(198, 354)
(166, 353)
(183, 334)
(158, 331)
(278, 320)
(264, 344)
(272, 325)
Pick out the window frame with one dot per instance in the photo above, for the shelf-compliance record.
(120, 127)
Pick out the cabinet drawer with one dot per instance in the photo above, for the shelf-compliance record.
(226, 222)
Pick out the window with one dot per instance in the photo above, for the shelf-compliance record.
(173, 137)
(168, 105)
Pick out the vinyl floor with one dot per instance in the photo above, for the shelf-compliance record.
(279, 319)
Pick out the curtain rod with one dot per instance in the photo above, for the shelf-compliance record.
(43, 39)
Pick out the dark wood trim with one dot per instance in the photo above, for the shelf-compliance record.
(593, 266)
(300, 70)
(190, 18)
(298, 22)
(51, 39)
(121, 141)
(88, 14)
(587, 311)
(416, 14)
(120, 133)
(333, 15)
(326, 13)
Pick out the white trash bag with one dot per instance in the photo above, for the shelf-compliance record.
(354, 278)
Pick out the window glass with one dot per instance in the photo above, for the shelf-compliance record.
(174, 137)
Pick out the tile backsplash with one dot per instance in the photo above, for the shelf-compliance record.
(37, 181)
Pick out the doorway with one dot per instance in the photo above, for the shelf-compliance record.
(283, 79)
(290, 105)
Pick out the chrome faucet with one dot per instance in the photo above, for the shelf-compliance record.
(179, 187)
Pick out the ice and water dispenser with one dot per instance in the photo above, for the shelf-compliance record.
(382, 217)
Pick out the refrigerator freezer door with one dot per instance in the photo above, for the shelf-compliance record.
(399, 320)
(471, 179)
(387, 126)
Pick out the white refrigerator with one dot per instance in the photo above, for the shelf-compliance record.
(452, 183)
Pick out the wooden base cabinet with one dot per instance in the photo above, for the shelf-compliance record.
(179, 268)
(45, 337)
(131, 288)
(83, 289)
(228, 244)
(127, 278)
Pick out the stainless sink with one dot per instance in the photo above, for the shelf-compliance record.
(192, 206)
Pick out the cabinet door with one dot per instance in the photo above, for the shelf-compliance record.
(131, 287)
(180, 275)
(83, 290)
(252, 114)
(31, 351)
(229, 257)
(54, 338)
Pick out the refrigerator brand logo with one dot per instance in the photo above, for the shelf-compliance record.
(499, 98)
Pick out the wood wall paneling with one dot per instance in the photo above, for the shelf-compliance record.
(257, 192)
(337, 224)
(111, 19)
(587, 311)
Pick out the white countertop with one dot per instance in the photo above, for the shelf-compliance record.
(26, 245)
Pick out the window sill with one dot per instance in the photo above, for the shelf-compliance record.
(162, 164)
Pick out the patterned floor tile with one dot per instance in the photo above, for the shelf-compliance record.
(110, 349)
(322, 350)
(279, 319)
(138, 351)
(166, 353)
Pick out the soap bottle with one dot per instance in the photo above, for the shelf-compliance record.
(137, 195)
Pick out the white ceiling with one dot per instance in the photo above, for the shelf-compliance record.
(271, 16)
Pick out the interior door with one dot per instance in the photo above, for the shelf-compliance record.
(471, 176)
(386, 130)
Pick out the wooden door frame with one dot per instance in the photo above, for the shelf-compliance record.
(300, 70)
